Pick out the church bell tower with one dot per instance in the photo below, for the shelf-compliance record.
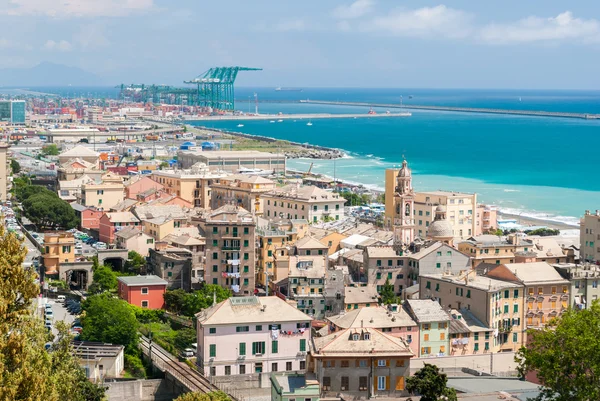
(403, 221)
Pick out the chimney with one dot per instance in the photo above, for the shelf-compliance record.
(362, 324)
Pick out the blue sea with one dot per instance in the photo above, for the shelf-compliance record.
(531, 166)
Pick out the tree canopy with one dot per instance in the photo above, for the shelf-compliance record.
(135, 262)
(355, 199)
(111, 320)
(188, 304)
(104, 279)
(27, 370)
(387, 294)
(50, 150)
(44, 208)
(197, 396)
(564, 356)
(430, 384)
(15, 166)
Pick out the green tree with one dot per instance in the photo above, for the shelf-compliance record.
(174, 300)
(15, 166)
(27, 370)
(387, 294)
(47, 210)
(50, 150)
(564, 356)
(184, 338)
(197, 396)
(430, 384)
(163, 165)
(353, 199)
(104, 279)
(109, 320)
(498, 232)
(135, 262)
(543, 232)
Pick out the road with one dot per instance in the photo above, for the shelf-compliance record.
(60, 313)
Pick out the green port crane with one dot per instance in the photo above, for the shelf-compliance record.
(214, 89)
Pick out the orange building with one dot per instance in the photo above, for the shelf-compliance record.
(143, 291)
(60, 248)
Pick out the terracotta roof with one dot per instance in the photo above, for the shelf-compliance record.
(359, 342)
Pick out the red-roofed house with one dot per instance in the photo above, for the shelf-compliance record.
(112, 222)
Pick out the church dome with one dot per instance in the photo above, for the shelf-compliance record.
(404, 171)
(440, 229)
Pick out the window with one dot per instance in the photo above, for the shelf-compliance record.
(362, 383)
(506, 308)
(302, 345)
(426, 337)
(438, 265)
(326, 383)
(213, 371)
(442, 336)
(468, 293)
(212, 350)
(516, 294)
(345, 382)
(242, 369)
(170, 274)
(274, 347)
(425, 350)
(258, 347)
(242, 349)
(246, 230)
(381, 380)
(215, 268)
(246, 269)
(400, 363)
(515, 337)
(345, 364)
(215, 255)
(227, 370)
(240, 329)
(212, 330)
(288, 366)
(363, 363)
(476, 347)
(540, 290)
(259, 327)
(442, 349)
(382, 362)
(144, 304)
(274, 367)
(564, 289)
(426, 326)
(443, 325)
(476, 337)
(487, 346)
(144, 290)
(215, 230)
(530, 290)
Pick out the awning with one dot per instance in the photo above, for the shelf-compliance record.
(577, 299)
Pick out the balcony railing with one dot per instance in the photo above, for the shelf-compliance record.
(231, 248)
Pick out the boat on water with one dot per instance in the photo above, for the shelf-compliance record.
(410, 96)
(279, 121)
(304, 101)
(309, 124)
(240, 125)
(272, 121)
(280, 89)
(371, 111)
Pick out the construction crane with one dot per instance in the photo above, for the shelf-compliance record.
(215, 86)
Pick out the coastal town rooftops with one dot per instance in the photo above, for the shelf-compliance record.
(245, 178)
(78, 207)
(95, 350)
(308, 193)
(354, 240)
(427, 310)
(487, 240)
(124, 205)
(289, 383)
(361, 295)
(134, 281)
(78, 151)
(229, 213)
(530, 273)
(128, 232)
(359, 342)
(373, 317)
(239, 310)
(473, 280)
(185, 240)
(198, 170)
(307, 266)
(152, 212)
(309, 242)
(77, 164)
(382, 251)
(445, 193)
(227, 154)
(121, 217)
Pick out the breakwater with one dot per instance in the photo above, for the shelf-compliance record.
(277, 117)
(536, 113)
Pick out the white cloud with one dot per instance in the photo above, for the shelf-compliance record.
(61, 45)
(535, 29)
(439, 21)
(77, 8)
(290, 25)
(354, 10)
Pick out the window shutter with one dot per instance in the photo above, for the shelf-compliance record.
(387, 363)
(253, 348)
(356, 363)
(242, 349)
(263, 349)
(400, 383)
(387, 382)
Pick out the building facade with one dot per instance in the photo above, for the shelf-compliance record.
(143, 291)
(590, 237)
(460, 212)
(233, 161)
(303, 202)
(252, 335)
(434, 324)
(59, 248)
(242, 190)
(174, 265)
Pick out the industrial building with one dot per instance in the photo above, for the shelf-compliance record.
(12, 111)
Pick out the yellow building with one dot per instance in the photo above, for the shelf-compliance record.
(242, 190)
(160, 221)
(60, 248)
(498, 304)
(460, 212)
(273, 246)
(193, 185)
(103, 195)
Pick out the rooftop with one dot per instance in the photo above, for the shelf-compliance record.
(373, 317)
(128, 232)
(359, 342)
(238, 310)
(427, 310)
(446, 193)
(308, 193)
(233, 154)
(473, 280)
(361, 295)
(121, 217)
(79, 151)
(141, 280)
(95, 350)
(315, 266)
(289, 383)
(309, 242)
(536, 272)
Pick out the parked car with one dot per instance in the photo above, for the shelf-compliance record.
(49, 314)
(187, 353)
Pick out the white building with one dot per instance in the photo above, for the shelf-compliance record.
(249, 335)
(303, 202)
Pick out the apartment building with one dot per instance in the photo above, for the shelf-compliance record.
(487, 219)
(79, 152)
(76, 168)
(143, 291)
(584, 280)
(196, 245)
(252, 335)
(392, 320)
(230, 248)
(361, 362)
(306, 284)
(467, 333)
(133, 239)
(493, 249)
(303, 202)
(161, 220)
(360, 297)
(433, 322)
(590, 237)
(546, 292)
(460, 209)
(242, 190)
(383, 263)
(273, 245)
(308, 246)
(139, 184)
(103, 195)
(112, 222)
(174, 265)
(233, 161)
(193, 184)
(59, 248)
(496, 303)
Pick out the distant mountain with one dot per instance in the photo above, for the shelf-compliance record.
(48, 74)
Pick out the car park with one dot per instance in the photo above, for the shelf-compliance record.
(48, 326)
(49, 314)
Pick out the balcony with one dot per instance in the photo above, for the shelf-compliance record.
(231, 248)
(233, 262)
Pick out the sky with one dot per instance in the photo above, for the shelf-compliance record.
(538, 44)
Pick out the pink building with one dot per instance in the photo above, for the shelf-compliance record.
(133, 239)
(143, 291)
(252, 335)
(394, 321)
(111, 222)
(89, 217)
(141, 184)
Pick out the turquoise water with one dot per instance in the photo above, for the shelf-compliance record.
(534, 166)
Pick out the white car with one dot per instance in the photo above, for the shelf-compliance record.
(78, 245)
(99, 245)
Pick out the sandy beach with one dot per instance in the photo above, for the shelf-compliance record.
(528, 221)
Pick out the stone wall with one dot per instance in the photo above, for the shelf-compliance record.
(140, 390)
